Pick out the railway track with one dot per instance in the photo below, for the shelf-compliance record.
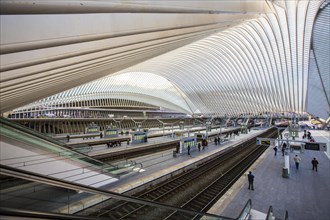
(190, 190)
(209, 195)
(136, 152)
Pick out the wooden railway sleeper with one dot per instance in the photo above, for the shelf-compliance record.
(190, 201)
(155, 199)
(241, 147)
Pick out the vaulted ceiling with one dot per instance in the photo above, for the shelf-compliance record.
(209, 57)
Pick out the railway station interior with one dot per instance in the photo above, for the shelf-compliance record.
(165, 109)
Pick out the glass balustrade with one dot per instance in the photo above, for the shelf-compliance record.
(21, 191)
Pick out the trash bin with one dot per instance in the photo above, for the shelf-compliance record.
(285, 173)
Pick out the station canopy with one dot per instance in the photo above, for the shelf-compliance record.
(225, 58)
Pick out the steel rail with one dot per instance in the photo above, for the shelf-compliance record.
(165, 189)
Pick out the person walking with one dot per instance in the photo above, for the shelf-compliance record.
(297, 160)
(283, 148)
(275, 149)
(315, 163)
(68, 138)
(250, 178)
(188, 148)
(199, 146)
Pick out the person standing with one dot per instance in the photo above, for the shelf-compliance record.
(188, 148)
(199, 146)
(250, 178)
(68, 138)
(315, 163)
(297, 160)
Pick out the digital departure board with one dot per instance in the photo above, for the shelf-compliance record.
(312, 146)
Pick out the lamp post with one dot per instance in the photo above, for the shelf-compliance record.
(220, 134)
(181, 125)
(207, 125)
(286, 154)
(163, 129)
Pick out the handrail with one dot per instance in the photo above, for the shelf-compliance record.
(23, 174)
(245, 213)
(270, 213)
(59, 147)
(30, 131)
(286, 215)
(42, 215)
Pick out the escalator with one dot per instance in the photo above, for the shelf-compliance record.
(29, 150)
(51, 198)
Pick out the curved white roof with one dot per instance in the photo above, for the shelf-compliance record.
(258, 65)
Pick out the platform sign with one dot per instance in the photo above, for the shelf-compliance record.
(110, 133)
(185, 142)
(266, 141)
(177, 134)
(92, 129)
(138, 137)
(294, 130)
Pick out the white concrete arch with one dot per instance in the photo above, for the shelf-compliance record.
(259, 65)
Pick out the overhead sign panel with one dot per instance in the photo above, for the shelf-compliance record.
(316, 146)
(266, 141)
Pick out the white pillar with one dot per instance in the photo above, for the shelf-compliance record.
(287, 161)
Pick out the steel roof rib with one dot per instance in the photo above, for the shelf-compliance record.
(252, 64)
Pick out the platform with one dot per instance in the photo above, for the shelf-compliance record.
(305, 194)
(157, 165)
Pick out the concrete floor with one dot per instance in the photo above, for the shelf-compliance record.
(305, 194)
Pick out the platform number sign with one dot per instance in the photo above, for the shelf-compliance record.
(294, 130)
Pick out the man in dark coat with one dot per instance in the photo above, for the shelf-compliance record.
(315, 163)
(250, 178)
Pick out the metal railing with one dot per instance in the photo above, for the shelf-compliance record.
(50, 181)
(270, 213)
(245, 213)
(23, 214)
(58, 153)
(286, 215)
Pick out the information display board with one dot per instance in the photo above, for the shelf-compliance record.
(199, 137)
(92, 129)
(185, 142)
(110, 133)
(138, 137)
(316, 146)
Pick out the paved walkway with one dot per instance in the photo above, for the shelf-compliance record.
(305, 194)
